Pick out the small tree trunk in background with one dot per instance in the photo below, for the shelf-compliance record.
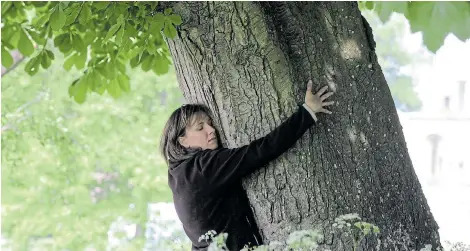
(250, 62)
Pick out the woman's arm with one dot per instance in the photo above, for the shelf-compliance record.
(224, 166)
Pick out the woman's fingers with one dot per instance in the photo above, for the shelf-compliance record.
(322, 90)
(328, 103)
(326, 96)
(325, 111)
(309, 86)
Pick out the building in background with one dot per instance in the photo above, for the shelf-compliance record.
(438, 136)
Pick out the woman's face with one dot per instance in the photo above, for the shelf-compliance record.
(200, 134)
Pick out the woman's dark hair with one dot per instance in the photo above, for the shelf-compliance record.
(175, 127)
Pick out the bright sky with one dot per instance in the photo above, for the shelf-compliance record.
(451, 63)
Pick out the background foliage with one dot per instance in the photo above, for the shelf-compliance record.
(434, 19)
(97, 38)
(69, 170)
(396, 60)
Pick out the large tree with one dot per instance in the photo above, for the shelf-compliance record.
(249, 62)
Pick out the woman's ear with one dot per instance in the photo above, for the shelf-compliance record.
(182, 141)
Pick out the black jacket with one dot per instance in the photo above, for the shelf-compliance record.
(207, 189)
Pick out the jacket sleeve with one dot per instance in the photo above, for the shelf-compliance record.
(224, 166)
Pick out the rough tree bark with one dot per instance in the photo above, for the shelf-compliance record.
(250, 62)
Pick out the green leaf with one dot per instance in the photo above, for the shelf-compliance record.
(63, 42)
(66, 45)
(120, 20)
(100, 5)
(50, 54)
(147, 63)
(156, 27)
(167, 11)
(80, 60)
(114, 89)
(136, 51)
(461, 29)
(64, 4)
(386, 8)
(435, 20)
(71, 89)
(120, 10)
(169, 31)
(175, 19)
(72, 14)
(366, 229)
(126, 44)
(151, 48)
(32, 67)
(107, 69)
(58, 18)
(130, 31)
(369, 5)
(124, 82)
(60, 39)
(80, 90)
(95, 80)
(111, 69)
(153, 4)
(39, 4)
(68, 64)
(89, 36)
(119, 36)
(7, 32)
(24, 44)
(78, 43)
(101, 89)
(85, 15)
(109, 12)
(49, 31)
(37, 37)
(161, 65)
(15, 37)
(135, 61)
(6, 6)
(84, 29)
(7, 45)
(120, 66)
(103, 70)
(434, 39)
(158, 18)
(42, 20)
(112, 31)
(45, 60)
(7, 59)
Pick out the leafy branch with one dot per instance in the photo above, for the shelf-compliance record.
(98, 38)
(434, 19)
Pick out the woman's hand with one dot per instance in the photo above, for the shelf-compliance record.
(316, 101)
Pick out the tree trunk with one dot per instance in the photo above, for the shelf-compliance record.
(250, 62)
